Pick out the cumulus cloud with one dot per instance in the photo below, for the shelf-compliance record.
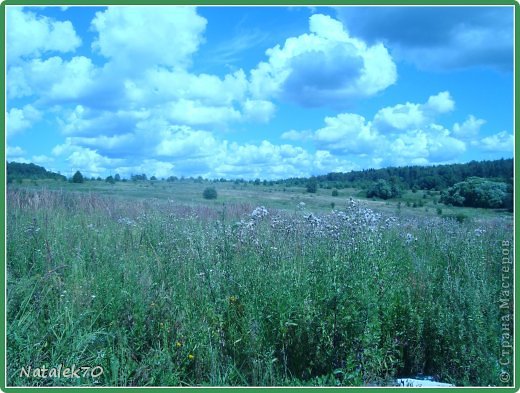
(469, 128)
(410, 115)
(397, 135)
(323, 67)
(294, 135)
(260, 111)
(502, 142)
(14, 151)
(52, 79)
(141, 36)
(89, 161)
(29, 35)
(147, 70)
(85, 121)
(438, 37)
(20, 119)
(347, 133)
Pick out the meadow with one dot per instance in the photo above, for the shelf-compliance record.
(263, 286)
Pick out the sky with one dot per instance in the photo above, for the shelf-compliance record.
(256, 92)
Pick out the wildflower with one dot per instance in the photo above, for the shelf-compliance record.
(152, 304)
(409, 238)
(178, 344)
(259, 212)
(191, 357)
(93, 296)
(233, 299)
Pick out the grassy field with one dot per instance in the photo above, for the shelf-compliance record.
(159, 287)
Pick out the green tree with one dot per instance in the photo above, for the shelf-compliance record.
(312, 185)
(117, 177)
(384, 190)
(78, 177)
(110, 179)
(477, 192)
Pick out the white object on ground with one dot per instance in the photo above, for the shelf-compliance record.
(410, 382)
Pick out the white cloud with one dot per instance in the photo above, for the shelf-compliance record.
(87, 160)
(258, 110)
(182, 142)
(53, 79)
(159, 85)
(347, 133)
(294, 135)
(502, 142)
(192, 112)
(29, 35)
(440, 103)
(85, 121)
(400, 117)
(42, 159)
(432, 144)
(20, 119)
(14, 151)
(323, 67)
(469, 128)
(412, 115)
(135, 37)
(402, 134)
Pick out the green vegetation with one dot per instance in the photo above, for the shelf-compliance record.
(271, 284)
(18, 171)
(384, 190)
(209, 193)
(162, 293)
(437, 177)
(478, 192)
(78, 177)
(312, 185)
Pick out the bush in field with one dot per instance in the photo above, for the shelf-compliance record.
(384, 190)
(78, 177)
(312, 185)
(209, 193)
(476, 192)
(335, 193)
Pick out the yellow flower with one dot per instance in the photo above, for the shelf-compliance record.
(191, 357)
(178, 344)
(233, 299)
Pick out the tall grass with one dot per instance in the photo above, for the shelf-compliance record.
(164, 295)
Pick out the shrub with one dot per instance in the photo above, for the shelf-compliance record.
(312, 186)
(383, 189)
(476, 192)
(209, 193)
(335, 193)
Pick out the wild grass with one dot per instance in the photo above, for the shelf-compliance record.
(161, 294)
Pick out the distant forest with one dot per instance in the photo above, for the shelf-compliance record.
(438, 177)
(17, 170)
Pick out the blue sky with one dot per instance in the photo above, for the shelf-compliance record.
(247, 92)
